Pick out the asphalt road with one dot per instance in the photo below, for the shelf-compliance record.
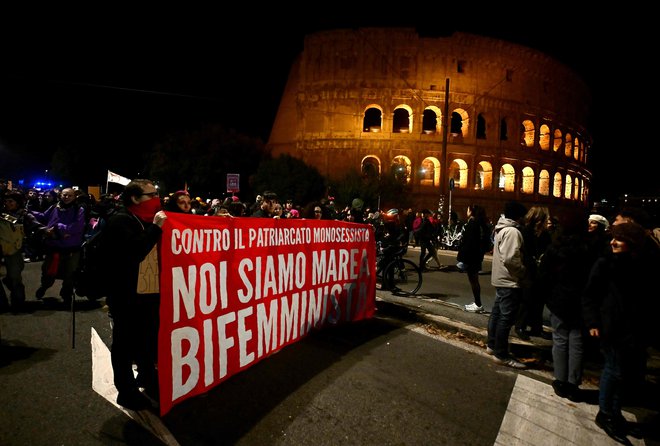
(375, 382)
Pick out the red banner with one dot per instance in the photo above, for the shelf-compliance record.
(235, 290)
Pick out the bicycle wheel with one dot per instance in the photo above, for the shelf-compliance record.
(402, 275)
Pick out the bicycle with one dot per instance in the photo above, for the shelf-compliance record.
(394, 273)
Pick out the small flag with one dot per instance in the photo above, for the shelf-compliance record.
(114, 178)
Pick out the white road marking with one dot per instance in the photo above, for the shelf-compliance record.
(103, 384)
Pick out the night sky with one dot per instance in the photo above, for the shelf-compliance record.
(112, 83)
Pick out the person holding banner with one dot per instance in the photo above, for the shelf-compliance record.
(130, 247)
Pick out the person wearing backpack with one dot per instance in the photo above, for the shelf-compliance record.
(475, 243)
(130, 241)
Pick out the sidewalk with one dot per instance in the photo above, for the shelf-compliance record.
(536, 353)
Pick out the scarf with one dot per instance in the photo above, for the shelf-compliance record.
(145, 210)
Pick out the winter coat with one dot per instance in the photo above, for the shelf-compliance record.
(563, 272)
(508, 269)
(471, 251)
(69, 224)
(620, 300)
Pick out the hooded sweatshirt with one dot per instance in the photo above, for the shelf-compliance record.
(508, 269)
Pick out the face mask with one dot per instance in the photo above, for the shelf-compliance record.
(145, 210)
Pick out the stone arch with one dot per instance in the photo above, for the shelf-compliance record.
(401, 168)
(527, 131)
(544, 137)
(557, 140)
(370, 166)
(458, 170)
(576, 189)
(432, 120)
(430, 172)
(507, 181)
(373, 118)
(576, 148)
(460, 122)
(568, 145)
(402, 119)
(484, 176)
(556, 186)
(544, 182)
(527, 180)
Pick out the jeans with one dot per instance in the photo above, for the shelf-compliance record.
(567, 351)
(502, 318)
(610, 389)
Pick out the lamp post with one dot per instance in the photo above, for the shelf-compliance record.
(444, 183)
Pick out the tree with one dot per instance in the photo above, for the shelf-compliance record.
(289, 178)
(201, 158)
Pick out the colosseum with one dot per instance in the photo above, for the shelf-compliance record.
(460, 119)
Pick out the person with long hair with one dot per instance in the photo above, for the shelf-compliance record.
(471, 252)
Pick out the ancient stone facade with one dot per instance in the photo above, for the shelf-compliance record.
(374, 99)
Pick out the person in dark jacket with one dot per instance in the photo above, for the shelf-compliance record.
(130, 240)
(536, 240)
(618, 307)
(563, 272)
(472, 250)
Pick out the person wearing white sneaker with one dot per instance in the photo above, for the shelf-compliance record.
(474, 244)
(507, 273)
(474, 308)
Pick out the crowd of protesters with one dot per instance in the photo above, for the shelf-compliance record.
(596, 276)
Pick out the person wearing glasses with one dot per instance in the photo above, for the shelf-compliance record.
(65, 226)
(130, 247)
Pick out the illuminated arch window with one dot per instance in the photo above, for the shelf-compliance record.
(557, 140)
(371, 166)
(576, 189)
(568, 188)
(460, 122)
(527, 132)
(507, 181)
(568, 145)
(544, 137)
(583, 192)
(544, 183)
(484, 176)
(556, 187)
(430, 172)
(401, 168)
(458, 170)
(432, 120)
(527, 180)
(373, 119)
(402, 119)
(576, 148)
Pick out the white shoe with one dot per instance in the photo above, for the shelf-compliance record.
(474, 308)
(490, 351)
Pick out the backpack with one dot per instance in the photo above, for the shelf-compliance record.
(91, 278)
